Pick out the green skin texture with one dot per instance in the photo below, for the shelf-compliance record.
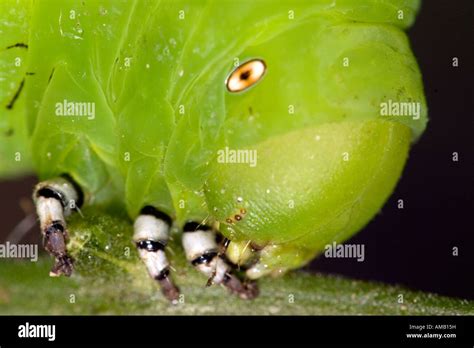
(140, 150)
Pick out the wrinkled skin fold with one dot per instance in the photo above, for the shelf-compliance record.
(326, 159)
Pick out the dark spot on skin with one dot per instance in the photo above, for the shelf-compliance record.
(250, 111)
(9, 132)
(245, 75)
(19, 44)
(229, 220)
(238, 217)
(400, 92)
(17, 94)
(29, 73)
(51, 76)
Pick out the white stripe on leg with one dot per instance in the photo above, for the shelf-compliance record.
(202, 250)
(151, 234)
(55, 199)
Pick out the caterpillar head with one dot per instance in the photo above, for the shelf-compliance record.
(308, 110)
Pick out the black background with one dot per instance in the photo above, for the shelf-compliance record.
(411, 246)
(287, 331)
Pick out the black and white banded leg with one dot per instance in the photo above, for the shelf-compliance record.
(202, 250)
(55, 199)
(151, 234)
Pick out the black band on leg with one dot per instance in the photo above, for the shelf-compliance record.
(149, 210)
(48, 192)
(192, 226)
(207, 257)
(163, 274)
(54, 227)
(151, 245)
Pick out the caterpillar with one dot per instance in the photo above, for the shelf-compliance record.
(281, 125)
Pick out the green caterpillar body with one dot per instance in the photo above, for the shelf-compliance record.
(166, 132)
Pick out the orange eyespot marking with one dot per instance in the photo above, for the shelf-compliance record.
(245, 75)
(229, 220)
(243, 211)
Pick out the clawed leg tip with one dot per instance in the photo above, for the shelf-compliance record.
(251, 291)
(170, 291)
(59, 273)
(246, 291)
(63, 266)
(172, 296)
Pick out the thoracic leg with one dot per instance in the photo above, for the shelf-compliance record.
(275, 260)
(271, 259)
(151, 234)
(55, 199)
(202, 250)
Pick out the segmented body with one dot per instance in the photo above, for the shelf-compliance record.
(155, 73)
